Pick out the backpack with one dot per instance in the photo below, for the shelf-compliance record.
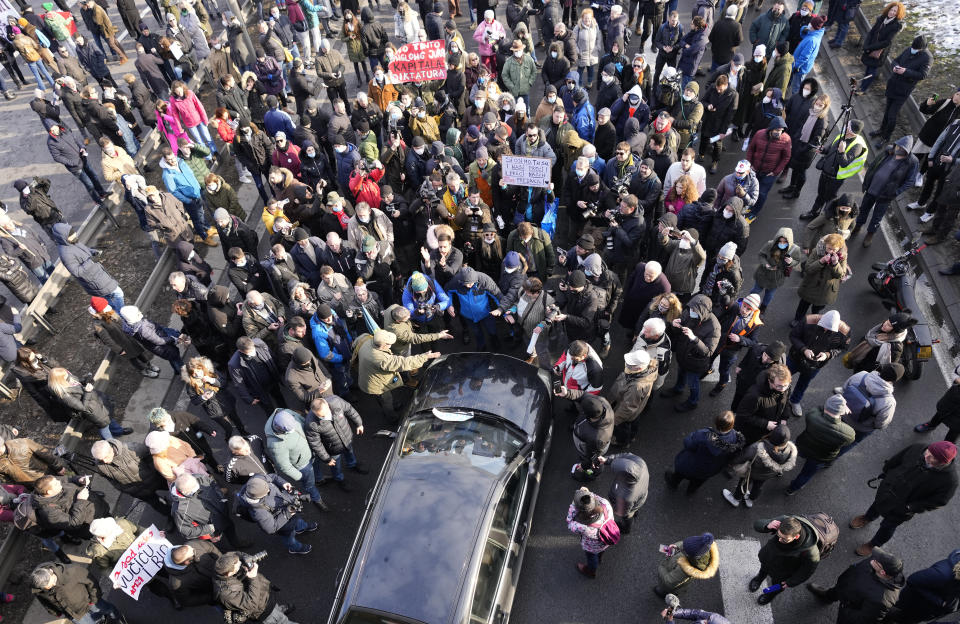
(24, 515)
(609, 532)
(858, 400)
(827, 530)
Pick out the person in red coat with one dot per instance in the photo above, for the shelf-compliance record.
(364, 183)
(769, 154)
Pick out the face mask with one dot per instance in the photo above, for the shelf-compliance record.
(340, 149)
(554, 55)
(757, 59)
(212, 188)
(311, 153)
(663, 307)
(489, 240)
(914, 51)
(686, 98)
(607, 79)
(766, 100)
(581, 173)
(518, 53)
(727, 214)
(379, 77)
(479, 103)
(782, 245)
(247, 132)
(804, 12)
(395, 116)
(551, 98)
(26, 190)
(419, 151)
(241, 263)
(337, 208)
(365, 219)
(694, 315)
(806, 92)
(421, 115)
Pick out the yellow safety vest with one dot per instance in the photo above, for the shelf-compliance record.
(851, 170)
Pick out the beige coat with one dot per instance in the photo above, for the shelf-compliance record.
(115, 167)
(168, 463)
(379, 370)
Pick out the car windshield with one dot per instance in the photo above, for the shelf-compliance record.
(476, 438)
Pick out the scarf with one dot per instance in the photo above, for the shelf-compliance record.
(807, 129)
(342, 217)
(877, 338)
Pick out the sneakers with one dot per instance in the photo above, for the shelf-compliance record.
(730, 498)
(923, 427)
(247, 179)
(303, 549)
(748, 501)
(150, 372)
(926, 217)
(714, 167)
(796, 409)
(311, 527)
(915, 206)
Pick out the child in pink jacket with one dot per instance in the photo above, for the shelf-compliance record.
(167, 124)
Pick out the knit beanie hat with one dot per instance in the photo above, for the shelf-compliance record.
(300, 234)
(98, 304)
(836, 405)
(775, 350)
(728, 251)
(511, 260)
(592, 406)
(830, 320)
(256, 488)
(301, 356)
(891, 372)
(943, 451)
(698, 545)
(221, 214)
(779, 436)
(131, 314)
(418, 282)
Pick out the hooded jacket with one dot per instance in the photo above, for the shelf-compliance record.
(766, 156)
(865, 597)
(882, 402)
(694, 355)
(824, 436)
(592, 432)
(682, 267)
(773, 269)
(180, 180)
(78, 260)
(289, 451)
(38, 204)
(307, 382)
(723, 230)
(806, 52)
(830, 221)
(766, 462)
(706, 452)
(910, 487)
(820, 283)
(897, 181)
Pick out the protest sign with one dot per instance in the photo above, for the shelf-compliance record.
(140, 562)
(419, 61)
(526, 171)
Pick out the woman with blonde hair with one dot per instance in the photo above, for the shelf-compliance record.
(590, 43)
(205, 388)
(406, 23)
(84, 402)
(303, 300)
(684, 192)
(876, 43)
(108, 329)
(823, 272)
(666, 306)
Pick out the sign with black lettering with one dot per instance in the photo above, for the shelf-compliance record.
(526, 171)
(140, 562)
(419, 61)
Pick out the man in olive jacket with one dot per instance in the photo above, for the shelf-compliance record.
(379, 369)
(396, 319)
(534, 244)
(789, 558)
(917, 479)
(821, 441)
(68, 591)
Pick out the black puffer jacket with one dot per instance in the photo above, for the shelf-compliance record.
(810, 335)
(328, 438)
(866, 598)
(192, 585)
(73, 594)
(693, 355)
(759, 406)
(594, 428)
(581, 309)
(38, 203)
(65, 512)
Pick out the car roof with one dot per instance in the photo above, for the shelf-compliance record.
(498, 384)
(422, 537)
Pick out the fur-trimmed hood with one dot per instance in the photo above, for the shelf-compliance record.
(694, 572)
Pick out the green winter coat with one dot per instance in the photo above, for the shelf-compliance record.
(225, 197)
(105, 557)
(821, 282)
(824, 436)
(779, 76)
(677, 570)
(289, 451)
(682, 266)
(519, 75)
(367, 147)
(197, 162)
(774, 258)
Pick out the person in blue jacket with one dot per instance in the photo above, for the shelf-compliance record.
(705, 453)
(806, 52)
(180, 181)
(425, 298)
(477, 294)
(584, 117)
(692, 47)
(346, 156)
(334, 345)
(930, 593)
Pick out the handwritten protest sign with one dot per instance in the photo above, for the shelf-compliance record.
(419, 61)
(526, 171)
(140, 562)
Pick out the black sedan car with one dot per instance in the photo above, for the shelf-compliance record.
(442, 538)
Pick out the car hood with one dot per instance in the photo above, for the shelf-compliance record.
(424, 535)
(497, 384)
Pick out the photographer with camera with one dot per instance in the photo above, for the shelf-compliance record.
(584, 196)
(244, 593)
(272, 503)
(599, 276)
(624, 233)
(580, 304)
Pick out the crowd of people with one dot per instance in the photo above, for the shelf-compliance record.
(390, 226)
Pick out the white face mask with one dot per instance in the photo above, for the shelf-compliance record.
(212, 188)
(418, 151)
(518, 53)
(607, 79)
(804, 12)
(340, 149)
(727, 214)
(551, 98)
(806, 92)
(581, 173)
(757, 59)
(686, 98)
(766, 99)
(311, 153)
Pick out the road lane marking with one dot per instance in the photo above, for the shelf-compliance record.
(738, 564)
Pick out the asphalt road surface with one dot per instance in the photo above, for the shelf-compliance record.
(550, 589)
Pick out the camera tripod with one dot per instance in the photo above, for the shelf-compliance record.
(846, 114)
